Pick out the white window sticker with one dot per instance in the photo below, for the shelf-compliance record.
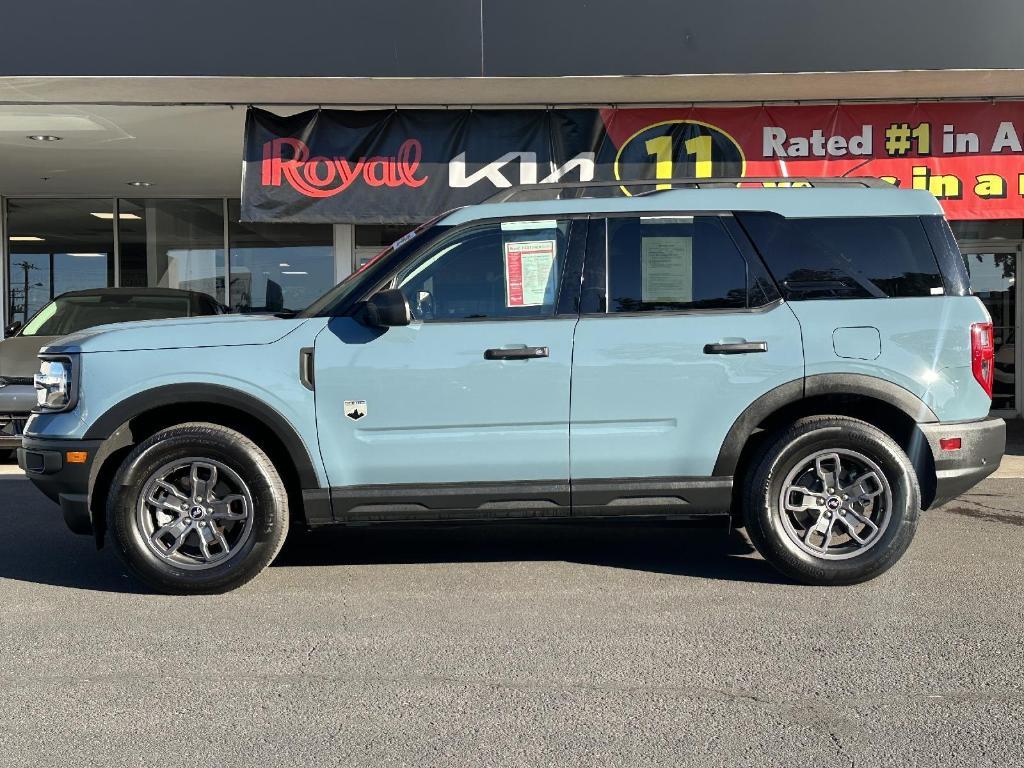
(529, 273)
(666, 265)
(519, 226)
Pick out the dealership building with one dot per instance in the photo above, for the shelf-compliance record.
(125, 126)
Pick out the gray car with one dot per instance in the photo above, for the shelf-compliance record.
(70, 312)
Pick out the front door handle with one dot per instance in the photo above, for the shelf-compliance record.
(736, 348)
(516, 353)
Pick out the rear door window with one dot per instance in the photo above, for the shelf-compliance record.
(846, 258)
(670, 263)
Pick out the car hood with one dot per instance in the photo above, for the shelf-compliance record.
(19, 355)
(187, 333)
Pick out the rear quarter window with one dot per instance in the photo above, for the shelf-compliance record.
(846, 258)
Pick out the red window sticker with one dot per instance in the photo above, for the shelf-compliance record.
(529, 273)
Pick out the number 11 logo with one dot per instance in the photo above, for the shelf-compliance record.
(677, 149)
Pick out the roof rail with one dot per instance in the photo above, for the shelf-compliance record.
(578, 189)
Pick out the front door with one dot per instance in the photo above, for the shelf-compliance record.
(464, 412)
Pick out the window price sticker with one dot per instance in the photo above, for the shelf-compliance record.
(529, 273)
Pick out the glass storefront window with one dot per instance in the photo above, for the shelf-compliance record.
(173, 244)
(55, 246)
(993, 280)
(278, 267)
(988, 229)
(380, 235)
(371, 239)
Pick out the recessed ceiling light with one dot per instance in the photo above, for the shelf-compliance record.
(110, 217)
(140, 183)
(282, 264)
(43, 137)
(295, 273)
(88, 255)
(25, 238)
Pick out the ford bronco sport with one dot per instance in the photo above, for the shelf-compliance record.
(809, 360)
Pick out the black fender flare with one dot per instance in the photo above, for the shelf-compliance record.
(811, 386)
(215, 394)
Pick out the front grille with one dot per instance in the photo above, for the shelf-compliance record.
(12, 426)
(12, 380)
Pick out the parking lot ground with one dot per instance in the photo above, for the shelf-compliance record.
(525, 645)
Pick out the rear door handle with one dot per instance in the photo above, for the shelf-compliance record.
(516, 353)
(736, 348)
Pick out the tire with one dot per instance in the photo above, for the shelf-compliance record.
(807, 536)
(179, 542)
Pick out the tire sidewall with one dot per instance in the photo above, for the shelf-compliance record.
(270, 511)
(765, 516)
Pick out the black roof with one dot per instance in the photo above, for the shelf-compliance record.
(168, 292)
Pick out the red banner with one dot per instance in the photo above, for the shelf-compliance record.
(968, 154)
(409, 165)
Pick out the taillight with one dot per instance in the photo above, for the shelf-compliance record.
(983, 355)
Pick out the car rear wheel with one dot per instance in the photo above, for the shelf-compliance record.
(833, 500)
(197, 508)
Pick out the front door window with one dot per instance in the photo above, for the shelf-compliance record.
(491, 272)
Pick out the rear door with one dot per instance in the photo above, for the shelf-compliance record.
(681, 330)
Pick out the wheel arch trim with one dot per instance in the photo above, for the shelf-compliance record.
(213, 394)
(812, 386)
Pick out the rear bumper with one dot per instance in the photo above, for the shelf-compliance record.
(982, 444)
(67, 484)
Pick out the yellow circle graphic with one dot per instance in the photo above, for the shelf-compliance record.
(665, 155)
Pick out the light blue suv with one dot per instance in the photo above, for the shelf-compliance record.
(808, 360)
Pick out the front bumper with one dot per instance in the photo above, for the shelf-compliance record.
(45, 464)
(982, 444)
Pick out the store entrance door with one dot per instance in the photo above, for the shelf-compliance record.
(993, 266)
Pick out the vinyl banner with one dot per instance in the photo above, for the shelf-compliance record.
(405, 166)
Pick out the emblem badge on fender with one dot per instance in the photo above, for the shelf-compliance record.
(355, 409)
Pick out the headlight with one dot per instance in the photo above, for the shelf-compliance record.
(55, 385)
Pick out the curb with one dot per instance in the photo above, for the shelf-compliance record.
(1012, 466)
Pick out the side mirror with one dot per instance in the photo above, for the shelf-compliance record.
(387, 308)
(12, 328)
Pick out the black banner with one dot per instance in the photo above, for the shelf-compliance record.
(405, 166)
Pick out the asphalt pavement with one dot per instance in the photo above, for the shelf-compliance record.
(517, 645)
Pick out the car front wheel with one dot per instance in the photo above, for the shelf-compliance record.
(833, 500)
(197, 508)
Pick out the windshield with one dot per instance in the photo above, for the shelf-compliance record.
(376, 268)
(67, 314)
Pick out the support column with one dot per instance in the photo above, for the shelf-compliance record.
(344, 250)
(4, 246)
